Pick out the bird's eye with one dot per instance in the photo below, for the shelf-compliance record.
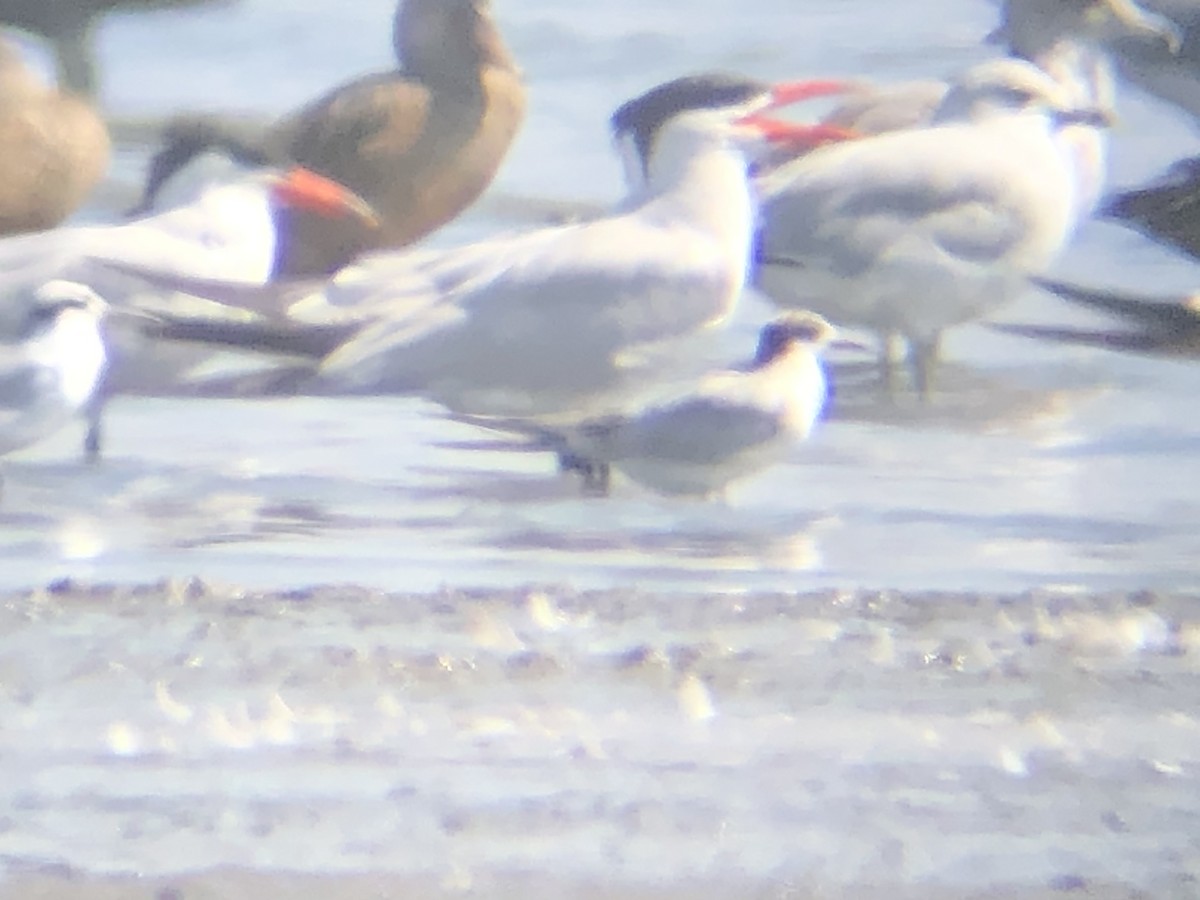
(40, 314)
(44, 314)
(1015, 96)
(807, 332)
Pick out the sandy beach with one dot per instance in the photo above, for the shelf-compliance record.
(184, 739)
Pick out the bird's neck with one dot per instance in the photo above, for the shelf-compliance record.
(798, 380)
(701, 179)
(74, 347)
(453, 62)
(1077, 64)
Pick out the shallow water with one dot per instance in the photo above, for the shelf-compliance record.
(1040, 465)
(724, 742)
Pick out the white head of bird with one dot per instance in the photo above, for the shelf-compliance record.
(1007, 87)
(62, 306)
(796, 329)
(659, 131)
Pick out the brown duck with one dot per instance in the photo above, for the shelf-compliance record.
(54, 149)
(419, 143)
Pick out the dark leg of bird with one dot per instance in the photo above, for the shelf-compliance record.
(891, 359)
(93, 440)
(596, 479)
(93, 415)
(570, 461)
(924, 362)
(596, 476)
(74, 54)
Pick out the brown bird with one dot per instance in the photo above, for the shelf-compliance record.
(54, 149)
(69, 26)
(1162, 327)
(419, 143)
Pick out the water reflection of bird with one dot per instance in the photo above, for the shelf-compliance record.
(419, 143)
(54, 148)
(729, 425)
(51, 369)
(70, 25)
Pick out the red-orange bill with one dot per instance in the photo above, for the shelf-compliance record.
(305, 189)
(798, 134)
(785, 93)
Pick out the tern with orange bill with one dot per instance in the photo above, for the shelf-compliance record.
(727, 426)
(560, 322)
(250, 232)
(53, 365)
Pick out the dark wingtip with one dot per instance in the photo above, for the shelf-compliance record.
(186, 138)
(1147, 342)
(1171, 314)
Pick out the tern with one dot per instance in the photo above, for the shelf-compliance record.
(51, 370)
(253, 231)
(910, 232)
(419, 143)
(54, 148)
(560, 322)
(1070, 40)
(728, 426)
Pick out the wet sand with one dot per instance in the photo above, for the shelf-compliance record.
(192, 740)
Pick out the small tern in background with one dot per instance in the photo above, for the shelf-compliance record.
(253, 231)
(53, 367)
(730, 425)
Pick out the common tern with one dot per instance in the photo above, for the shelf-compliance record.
(1069, 39)
(563, 321)
(251, 232)
(911, 232)
(1072, 40)
(52, 369)
(728, 426)
(54, 148)
(419, 143)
